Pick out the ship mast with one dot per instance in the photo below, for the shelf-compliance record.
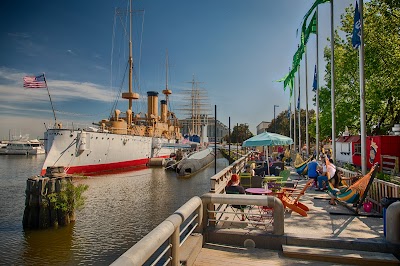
(167, 91)
(130, 95)
(197, 108)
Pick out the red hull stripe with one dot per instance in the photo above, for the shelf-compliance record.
(110, 167)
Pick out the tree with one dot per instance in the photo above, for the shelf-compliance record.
(283, 125)
(382, 72)
(240, 133)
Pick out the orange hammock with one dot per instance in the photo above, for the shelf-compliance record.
(357, 192)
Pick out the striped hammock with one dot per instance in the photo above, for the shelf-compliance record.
(300, 165)
(354, 192)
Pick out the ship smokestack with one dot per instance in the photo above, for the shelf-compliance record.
(117, 112)
(164, 111)
(129, 116)
(152, 104)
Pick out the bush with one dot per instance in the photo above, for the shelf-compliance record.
(70, 198)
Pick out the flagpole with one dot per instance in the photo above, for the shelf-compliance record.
(307, 140)
(317, 99)
(300, 146)
(51, 102)
(290, 119)
(294, 113)
(362, 93)
(333, 155)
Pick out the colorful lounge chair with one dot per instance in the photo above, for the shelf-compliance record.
(290, 199)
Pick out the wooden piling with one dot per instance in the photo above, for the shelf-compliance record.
(41, 200)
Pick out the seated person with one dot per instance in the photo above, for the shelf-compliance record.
(333, 176)
(312, 171)
(249, 169)
(234, 187)
(322, 178)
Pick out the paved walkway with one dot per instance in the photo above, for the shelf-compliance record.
(321, 224)
(318, 227)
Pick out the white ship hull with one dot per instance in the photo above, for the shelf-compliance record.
(82, 152)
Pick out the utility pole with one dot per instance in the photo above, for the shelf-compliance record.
(274, 118)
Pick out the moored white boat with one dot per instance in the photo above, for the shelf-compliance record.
(22, 147)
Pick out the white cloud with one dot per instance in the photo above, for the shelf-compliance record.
(71, 52)
(61, 90)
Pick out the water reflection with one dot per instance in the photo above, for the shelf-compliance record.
(47, 247)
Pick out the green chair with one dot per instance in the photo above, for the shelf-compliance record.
(284, 181)
(245, 180)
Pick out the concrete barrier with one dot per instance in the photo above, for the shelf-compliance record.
(393, 223)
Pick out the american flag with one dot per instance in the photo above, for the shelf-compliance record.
(35, 82)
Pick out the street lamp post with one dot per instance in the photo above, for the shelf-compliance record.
(274, 118)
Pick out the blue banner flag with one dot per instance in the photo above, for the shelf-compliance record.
(356, 38)
(288, 111)
(298, 102)
(314, 85)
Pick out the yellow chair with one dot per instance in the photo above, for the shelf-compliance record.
(245, 180)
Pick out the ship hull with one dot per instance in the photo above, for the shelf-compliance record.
(82, 152)
(194, 163)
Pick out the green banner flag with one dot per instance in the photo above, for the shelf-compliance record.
(311, 28)
(316, 3)
(298, 55)
(288, 81)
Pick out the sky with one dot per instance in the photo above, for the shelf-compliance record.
(237, 50)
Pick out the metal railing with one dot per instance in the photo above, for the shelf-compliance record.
(163, 243)
(215, 206)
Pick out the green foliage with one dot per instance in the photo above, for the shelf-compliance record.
(239, 134)
(382, 69)
(283, 124)
(70, 197)
(383, 176)
(349, 167)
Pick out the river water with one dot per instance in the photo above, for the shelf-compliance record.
(119, 210)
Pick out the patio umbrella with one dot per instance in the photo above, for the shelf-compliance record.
(267, 139)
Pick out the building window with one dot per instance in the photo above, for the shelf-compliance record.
(357, 149)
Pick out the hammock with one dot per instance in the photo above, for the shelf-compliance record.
(357, 192)
(300, 165)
